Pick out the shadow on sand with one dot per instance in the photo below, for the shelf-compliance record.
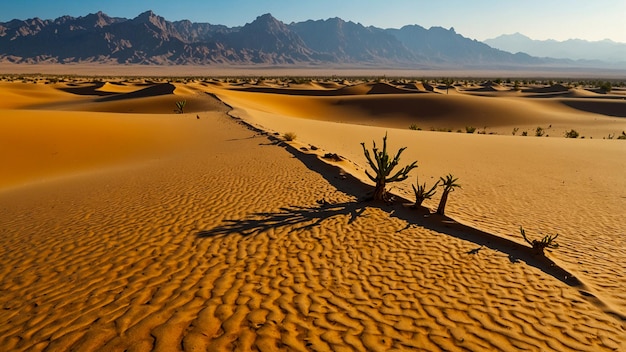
(422, 217)
(313, 216)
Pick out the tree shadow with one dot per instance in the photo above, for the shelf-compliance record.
(516, 252)
(420, 217)
(308, 217)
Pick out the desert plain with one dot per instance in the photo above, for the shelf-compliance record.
(125, 226)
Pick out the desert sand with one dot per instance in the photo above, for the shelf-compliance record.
(127, 227)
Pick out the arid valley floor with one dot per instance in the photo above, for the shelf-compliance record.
(125, 226)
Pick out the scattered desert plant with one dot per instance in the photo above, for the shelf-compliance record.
(539, 132)
(383, 166)
(571, 134)
(606, 87)
(414, 127)
(470, 129)
(289, 136)
(421, 194)
(622, 136)
(449, 185)
(180, 106)
(538, 246)
(525, 133)
(515, 130)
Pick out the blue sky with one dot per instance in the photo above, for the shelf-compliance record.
(476, 19)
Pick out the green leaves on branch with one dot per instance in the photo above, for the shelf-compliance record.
(180, 106)
(383, 166)
(449, 185)
(421, 194)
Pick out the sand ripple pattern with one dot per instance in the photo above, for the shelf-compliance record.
(244, 248)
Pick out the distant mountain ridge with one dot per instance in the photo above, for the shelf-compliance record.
(151, 39)
(575, 49)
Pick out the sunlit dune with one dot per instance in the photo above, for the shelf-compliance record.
(154, 214)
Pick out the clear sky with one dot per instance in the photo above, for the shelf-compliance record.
(476, 19)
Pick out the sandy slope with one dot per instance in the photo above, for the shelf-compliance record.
(214, 237)
(384, 105)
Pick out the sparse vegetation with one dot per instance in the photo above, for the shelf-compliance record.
(571, 134)
(180, 106)
(606, 87)
(383, 166)
(470, 129)
(421, 194)
(539, 245)
(415, 127)
(622, 136)
(539, 132)
(525, 133)
(289, 136)
(515, 130)
(449, 185)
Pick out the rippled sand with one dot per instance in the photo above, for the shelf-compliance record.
(201, 233)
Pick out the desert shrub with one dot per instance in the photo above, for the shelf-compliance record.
(383, 166)
(571, 134)
(515, 130)
(539, 245)
(289, 136)
(449, 185)
(414, 127)
(421, 194)
(470, 129)
(180, 106)
(539, 131)
(622, 136)
(605, 87)
(525, 133)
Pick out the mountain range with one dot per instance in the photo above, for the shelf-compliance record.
(151, 39)
(576, 49)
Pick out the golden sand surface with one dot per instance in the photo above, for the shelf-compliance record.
(126, 227)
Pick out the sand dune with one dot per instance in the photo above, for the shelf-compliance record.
(438, 111)
(166, 232)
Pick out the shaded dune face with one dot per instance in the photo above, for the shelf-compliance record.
(498, 109)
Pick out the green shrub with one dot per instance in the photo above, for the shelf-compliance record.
(383, 166)
(421, 194)
(571, 134)
(622, 136)
(449, 185)
(470, 129)
(180, 106)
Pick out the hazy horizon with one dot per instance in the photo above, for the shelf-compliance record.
(540, 20)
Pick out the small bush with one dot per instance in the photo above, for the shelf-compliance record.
(414, 127)
(289, 136)
(539, 245)
(515, 130)
(449, 185)
(382, 164)
(571, 134)
(525, 133)
(622, 136)
(539, 132)
(470, 129)
(180, 106)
